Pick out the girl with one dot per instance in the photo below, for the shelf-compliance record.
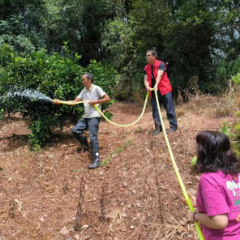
(218, 198)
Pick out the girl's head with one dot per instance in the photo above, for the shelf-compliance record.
(214, 153)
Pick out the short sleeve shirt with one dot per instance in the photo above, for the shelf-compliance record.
(220, 194)
(93, 94)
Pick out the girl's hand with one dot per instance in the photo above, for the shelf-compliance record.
(190, 217)
(192, 199)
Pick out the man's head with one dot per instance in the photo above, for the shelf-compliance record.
(87, 80)
(151, 56)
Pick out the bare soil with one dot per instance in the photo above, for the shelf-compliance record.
(51, 195)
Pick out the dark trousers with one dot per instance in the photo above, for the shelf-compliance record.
(92, 125)
(167, 102)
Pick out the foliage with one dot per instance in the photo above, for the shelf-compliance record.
(225, 71)
(236, 134)
(226, 129)
(116, 151)
(22, 24)
(53, 75)
(194, 161)
(236, 78)
(196, 38)
(81, 23)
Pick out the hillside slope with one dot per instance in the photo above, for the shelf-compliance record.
(50, 194)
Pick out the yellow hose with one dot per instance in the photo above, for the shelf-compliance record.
(124, 125)
(188, 201)
(71, 103)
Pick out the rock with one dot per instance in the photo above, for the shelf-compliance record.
(84, 226)
(64, 231)
(131, 227)
(182, 222)
(138, 204)
(125, 184)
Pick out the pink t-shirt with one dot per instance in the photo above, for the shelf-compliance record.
(219, 194)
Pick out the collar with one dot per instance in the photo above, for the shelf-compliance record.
(89, 88)
(150, 66)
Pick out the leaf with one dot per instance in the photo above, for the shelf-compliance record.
(194, 161)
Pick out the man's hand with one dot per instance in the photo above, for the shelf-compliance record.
(56, 101)
(149, 89)
(93, 102)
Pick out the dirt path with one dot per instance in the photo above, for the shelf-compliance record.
(50, 194)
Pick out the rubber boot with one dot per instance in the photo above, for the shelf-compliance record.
(84, 142)
(96, 161)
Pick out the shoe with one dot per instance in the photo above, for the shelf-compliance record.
(96, 163)
(171, 130)
(157, 131)
(79, 150)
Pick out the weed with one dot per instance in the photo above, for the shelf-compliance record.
(139, 130)
(118, 150)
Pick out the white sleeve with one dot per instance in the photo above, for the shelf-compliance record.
(80, 96)
(100, 91)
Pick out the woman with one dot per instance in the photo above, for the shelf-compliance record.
(218, 198)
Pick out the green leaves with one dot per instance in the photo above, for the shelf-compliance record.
(53, 75)
(194, 161)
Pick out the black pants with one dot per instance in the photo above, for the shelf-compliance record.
(167, 102)
(92, 124)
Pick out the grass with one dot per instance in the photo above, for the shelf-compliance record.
(118, 150)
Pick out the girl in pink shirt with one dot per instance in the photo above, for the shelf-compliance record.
(218, 198)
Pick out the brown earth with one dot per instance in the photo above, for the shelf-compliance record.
(51, 194)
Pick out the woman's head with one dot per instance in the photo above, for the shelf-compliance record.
(214, 153)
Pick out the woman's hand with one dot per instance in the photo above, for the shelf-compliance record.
(192, 199)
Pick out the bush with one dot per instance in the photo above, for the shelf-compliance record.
(53, 75)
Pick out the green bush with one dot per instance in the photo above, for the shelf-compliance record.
(53, 75)
(236, 135)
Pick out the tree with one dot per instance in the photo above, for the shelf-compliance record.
(22, 24)
(53, 75)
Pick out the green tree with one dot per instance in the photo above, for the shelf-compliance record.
(53, 75)
(22, 24)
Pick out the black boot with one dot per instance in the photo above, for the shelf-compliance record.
(157, 131)
(96, 161)
(84, 142)
(79, 150)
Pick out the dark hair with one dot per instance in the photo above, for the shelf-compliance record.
(89, 76)
(153, 52)
(214, 153)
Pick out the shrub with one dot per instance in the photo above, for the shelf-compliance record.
(53, 75)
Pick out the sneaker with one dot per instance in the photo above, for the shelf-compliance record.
(157, 131)
(171, 130)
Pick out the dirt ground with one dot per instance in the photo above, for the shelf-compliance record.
(51, 195)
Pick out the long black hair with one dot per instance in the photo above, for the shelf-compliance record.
(214, 153)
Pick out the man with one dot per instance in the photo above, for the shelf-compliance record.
(91, 117)
(156, 77)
